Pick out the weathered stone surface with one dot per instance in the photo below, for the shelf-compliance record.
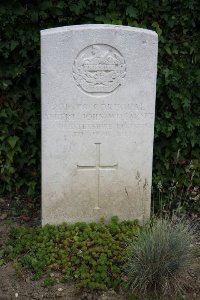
(98, 106)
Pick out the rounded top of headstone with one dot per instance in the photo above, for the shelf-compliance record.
(96, 27)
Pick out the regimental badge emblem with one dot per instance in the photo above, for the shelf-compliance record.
(99, 69)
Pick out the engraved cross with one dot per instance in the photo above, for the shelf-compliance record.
(98, 167)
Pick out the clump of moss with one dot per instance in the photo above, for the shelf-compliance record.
(90, 253)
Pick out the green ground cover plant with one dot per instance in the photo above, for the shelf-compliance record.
(91, 254)
(177, 111)
(159, 260)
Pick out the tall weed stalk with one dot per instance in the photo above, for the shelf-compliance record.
(176, 199)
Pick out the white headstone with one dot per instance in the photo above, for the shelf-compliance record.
(98, 107)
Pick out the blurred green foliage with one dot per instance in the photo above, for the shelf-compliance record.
(177, 111)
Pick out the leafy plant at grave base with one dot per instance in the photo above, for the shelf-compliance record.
(90, 253)
(177, 112)
(158, 261)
